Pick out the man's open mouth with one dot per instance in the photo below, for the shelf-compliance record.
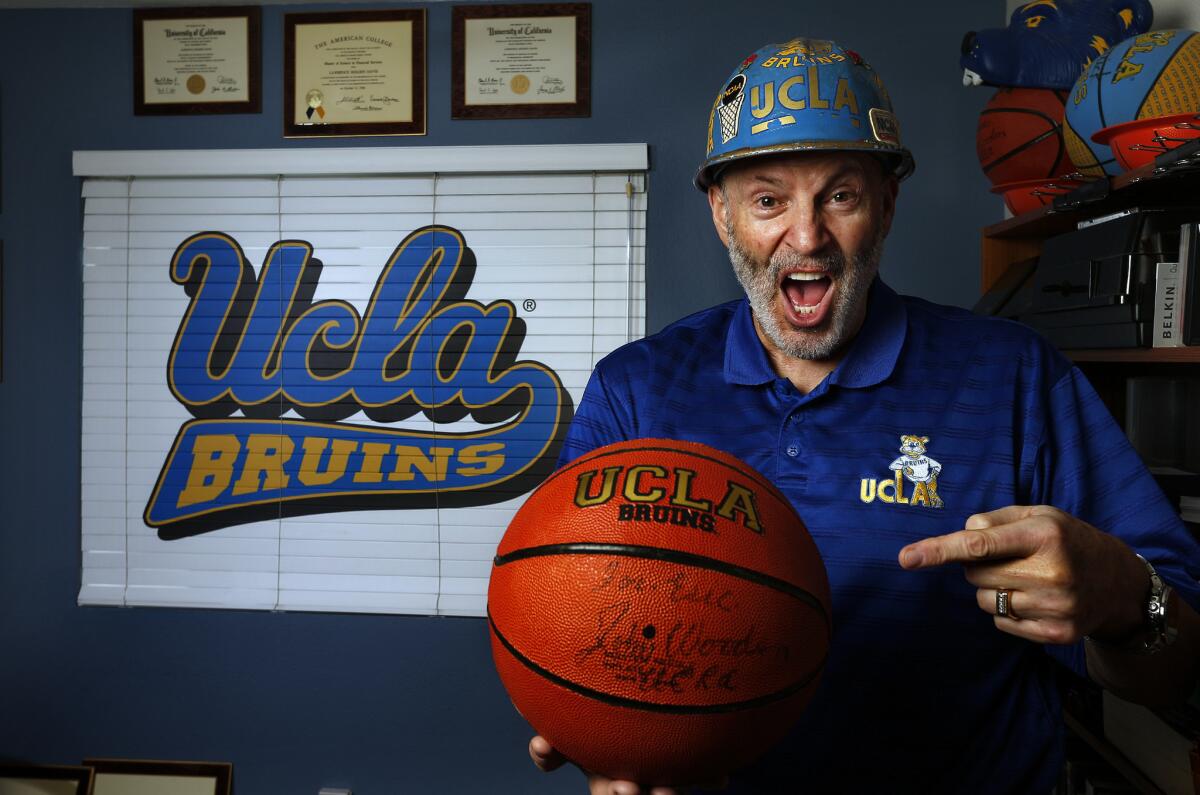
(805, 291)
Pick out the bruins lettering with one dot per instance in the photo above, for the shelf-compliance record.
(667, 514)
(801, 60)
(644, 487)
(223, 465)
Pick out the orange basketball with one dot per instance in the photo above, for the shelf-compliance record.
(659, 612)
(1020, 135)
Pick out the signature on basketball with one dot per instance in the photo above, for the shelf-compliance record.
(683, 657)
(676, 587)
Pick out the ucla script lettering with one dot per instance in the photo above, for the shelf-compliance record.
(258, 344)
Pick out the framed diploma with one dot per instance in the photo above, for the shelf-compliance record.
(21, 779)
(197, 60)
(521, 61)
(154, 777)
(354, 73)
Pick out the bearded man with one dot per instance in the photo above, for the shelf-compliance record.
(1050, 549)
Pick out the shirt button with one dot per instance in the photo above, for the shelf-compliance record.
(793, 450)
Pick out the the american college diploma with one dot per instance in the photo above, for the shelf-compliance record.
(520, 60)
(196, 60)
(353, 72)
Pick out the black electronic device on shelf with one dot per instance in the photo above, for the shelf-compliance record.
(1094, 286)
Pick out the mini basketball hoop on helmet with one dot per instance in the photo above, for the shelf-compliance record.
(802, 95)
(730, 105)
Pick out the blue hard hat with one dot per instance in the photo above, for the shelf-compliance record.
(805, 94)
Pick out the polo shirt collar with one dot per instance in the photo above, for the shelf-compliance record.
(870, 359)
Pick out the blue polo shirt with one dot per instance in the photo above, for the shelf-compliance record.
(921, 693)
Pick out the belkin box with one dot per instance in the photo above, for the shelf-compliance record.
(1094, 287)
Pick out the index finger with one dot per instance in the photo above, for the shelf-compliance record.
(990, 536)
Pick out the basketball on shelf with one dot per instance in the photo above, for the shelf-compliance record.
(1147, 76)
(1019, 136)
(659, 612)
(1157, 78)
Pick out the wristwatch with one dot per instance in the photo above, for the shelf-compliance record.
(1160, 632)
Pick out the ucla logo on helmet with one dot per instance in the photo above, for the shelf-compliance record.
(914, 468)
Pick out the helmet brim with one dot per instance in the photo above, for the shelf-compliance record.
(898, 159)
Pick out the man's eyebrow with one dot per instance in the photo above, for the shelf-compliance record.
(767, 178)
(841, 173)
(848, 170)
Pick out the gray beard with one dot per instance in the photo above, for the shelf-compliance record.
(761, 283)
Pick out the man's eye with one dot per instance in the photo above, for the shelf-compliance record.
(766, 202)
(842, 196)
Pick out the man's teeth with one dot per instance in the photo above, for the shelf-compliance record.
(803, 276)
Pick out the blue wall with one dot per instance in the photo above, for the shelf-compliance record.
(381, 704)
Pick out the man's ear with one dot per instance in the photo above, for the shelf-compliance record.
(720, 210)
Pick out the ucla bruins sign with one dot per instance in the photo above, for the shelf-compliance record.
(270, 377)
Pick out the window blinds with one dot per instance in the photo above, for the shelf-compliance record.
(232, 503)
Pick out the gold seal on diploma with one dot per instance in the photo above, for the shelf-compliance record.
(315, 98)
(519, 84)
(195, 84)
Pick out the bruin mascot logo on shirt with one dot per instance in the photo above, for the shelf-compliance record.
(295, 369)
(914, 466)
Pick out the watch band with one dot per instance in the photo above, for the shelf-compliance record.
(1160, 633)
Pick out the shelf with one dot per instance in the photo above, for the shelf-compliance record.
(1021, 236)
(1147, 183)
(1188, 355)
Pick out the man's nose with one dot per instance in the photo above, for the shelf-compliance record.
(806, 233)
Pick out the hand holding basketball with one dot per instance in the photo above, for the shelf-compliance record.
(547, 759)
